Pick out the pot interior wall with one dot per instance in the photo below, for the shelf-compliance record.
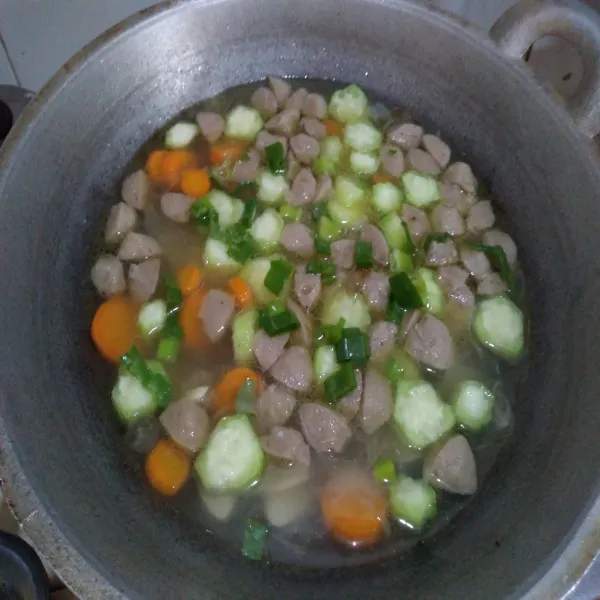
(63, 173)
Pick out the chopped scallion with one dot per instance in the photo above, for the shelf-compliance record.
(353, 347)
(255, 539)
(168, 349)
(290, 213)
(276, 157)
(404, 293)
(281, 322)
(438, 238)
(242, 250)
(321, 268)
(497, 257)
(341, 383)
(330, 334)
(277, 276)
(363, 254)
(203, 214)
(320, 210)
(322, 247)
(409, 241)
(249, 213)
(394, 313)
(155, 382)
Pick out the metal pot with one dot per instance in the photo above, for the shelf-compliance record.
(530, 533)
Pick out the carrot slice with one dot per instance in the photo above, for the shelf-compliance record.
(114, 327)
(174, 163)
(226, 391)
(189, 319)
(168, 467)
(241, 291)
(195, 183)
(189, 278)
(354, 508)
(381, 177)
(154, 164)
(226, 150)
(333, 128)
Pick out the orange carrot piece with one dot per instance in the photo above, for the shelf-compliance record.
(226, 150)
(154, 164)
(168, 467)
(226, 391)
(195, 183)
(114, 327)
(354, 508)
(189, 278)
(333, 128)
(189, 319)
(241, 291)
(174, 163)
(381, 177)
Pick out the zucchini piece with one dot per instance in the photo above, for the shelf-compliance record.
(364, 163)
(362, 137)
(243, 123)
(131, 399)
(386, 197)
(401, 366)
(348, 105)
(473, 405)
(412, 501)
(289, 213)
(326, 363)
(228, 209)
(330, 155)
(232, 459)
(244, 328)
(430, 291)
(400, 262)
(393, 231)
(329, 230)
(353, 308)
(152, 318)
(420, 190)
(271, 187)
(254, 272)
(348, 191)
(217, 259)
(266, 230)
(181, 135)
(347, 217)
(420, 414)
(499, 326)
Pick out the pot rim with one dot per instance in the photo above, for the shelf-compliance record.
(561, 579)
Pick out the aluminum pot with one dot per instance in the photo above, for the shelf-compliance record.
(530, 533)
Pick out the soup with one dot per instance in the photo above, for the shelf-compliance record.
(317, 320)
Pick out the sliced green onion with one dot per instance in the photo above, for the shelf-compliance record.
(245, 191)
(281, 322)
(394, 313)
(322, 247)
(277, 276)
(340, 384)
(363, 254)
(404, 293)
(411, 247)
(353, 347)
(276, 157)
(330, 334)
(174, 294)
(242, 251)
(246, 397)
(384, 470)
(321, 268)
(497, 257)
(203, 214)
(168, 349)
(438, 238)
(328, 229)
(249, 213)
(255, 539)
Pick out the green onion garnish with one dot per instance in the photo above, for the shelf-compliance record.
(275, 324)
(249, 212)
(276, 157)
(277, 276)
(340, 384)
(322, 247)
(363, 254)
(497, 257)
(320, 210)
(290, 213)
(353, 347)
(404, 293)
(203, 214)
(168, 349)
(409, 241)
(330, 334)
(321, 268)
(156, 383)
(438, 238)
(255, 539)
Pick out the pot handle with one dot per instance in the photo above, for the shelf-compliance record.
(520, 26)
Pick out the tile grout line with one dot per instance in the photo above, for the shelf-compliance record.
(10, 62)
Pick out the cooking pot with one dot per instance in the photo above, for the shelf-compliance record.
(531, 531)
